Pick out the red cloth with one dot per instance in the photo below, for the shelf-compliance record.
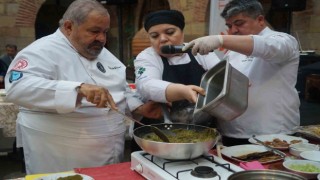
(253, 165)
(119, 171)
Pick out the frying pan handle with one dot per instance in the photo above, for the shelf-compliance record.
(166, 113)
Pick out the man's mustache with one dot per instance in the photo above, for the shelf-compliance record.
(96, 43)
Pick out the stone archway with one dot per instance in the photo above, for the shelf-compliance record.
(40, 13)
(27, 12)
(20, 19)
(18, 22)
(48, 16)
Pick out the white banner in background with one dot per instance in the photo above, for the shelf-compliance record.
(217, 23)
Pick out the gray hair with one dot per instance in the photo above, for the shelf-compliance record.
(251, 8)
(79, 10)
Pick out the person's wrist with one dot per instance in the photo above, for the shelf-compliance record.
(220, 39)
(78, 89)
(79, 95)
(139, 110)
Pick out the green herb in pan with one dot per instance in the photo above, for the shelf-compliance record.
(185, 136)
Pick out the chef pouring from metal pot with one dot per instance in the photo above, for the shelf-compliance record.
(269, 59)
(165, 76)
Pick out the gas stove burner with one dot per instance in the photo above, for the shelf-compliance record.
(204, 167)
(204, 172)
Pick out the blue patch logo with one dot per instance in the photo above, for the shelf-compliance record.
(100, 67)
(15, 75)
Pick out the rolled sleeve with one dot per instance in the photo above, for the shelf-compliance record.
(155, 90)
(276, 47)
(134, 101)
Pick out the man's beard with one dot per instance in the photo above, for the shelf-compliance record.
(95, 48)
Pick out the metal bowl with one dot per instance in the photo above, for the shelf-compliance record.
(265, 175)
(226, 93)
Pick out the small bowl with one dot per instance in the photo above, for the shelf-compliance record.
(311, 155)
(310, 175)
(296, 149)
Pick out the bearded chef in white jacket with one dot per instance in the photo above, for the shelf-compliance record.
(63, 84)
(270, 60)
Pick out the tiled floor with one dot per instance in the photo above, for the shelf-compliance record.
(11, 166)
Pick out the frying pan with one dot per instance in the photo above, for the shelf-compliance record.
(173, 151)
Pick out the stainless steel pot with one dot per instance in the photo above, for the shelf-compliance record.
(226, 93)
(265, 175)
(174, 151)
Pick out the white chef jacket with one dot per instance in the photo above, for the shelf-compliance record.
(149, 68)
(273, 102)
(56, 132)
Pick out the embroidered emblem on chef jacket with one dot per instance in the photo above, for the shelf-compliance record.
(140, 71)
(15, 75)
(248, 59)
(100, 67)
(21, 64)
(116, 67)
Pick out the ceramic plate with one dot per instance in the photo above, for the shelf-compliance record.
(234, 151)
(282, 137)
(311, 155)
(302, 164)
(58, 175)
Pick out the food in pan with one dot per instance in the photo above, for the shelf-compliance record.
(262, 157)
(276, 142)
(185, 135)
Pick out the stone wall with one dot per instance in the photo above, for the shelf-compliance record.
(306, 26)
(196, 16)
(17, 19)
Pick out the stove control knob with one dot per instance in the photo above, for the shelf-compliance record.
(139, 168)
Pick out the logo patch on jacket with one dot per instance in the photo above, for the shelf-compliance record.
(20, 64)
(100, 67)
(140, 71)
(15, 75)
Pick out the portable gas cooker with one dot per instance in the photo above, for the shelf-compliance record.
(209, 167)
